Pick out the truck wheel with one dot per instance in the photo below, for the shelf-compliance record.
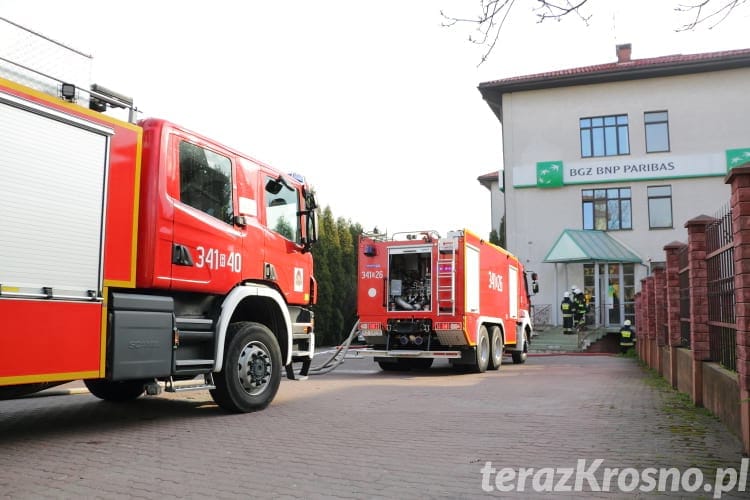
(497, 347)
(482, 351)
(125, 390)
(251, 373)
(519, 357)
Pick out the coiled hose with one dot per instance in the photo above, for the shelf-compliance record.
(338, 357)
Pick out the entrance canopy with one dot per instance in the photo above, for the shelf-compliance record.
(589, 246)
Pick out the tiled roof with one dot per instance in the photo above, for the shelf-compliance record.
(634, 68)
(487, 179)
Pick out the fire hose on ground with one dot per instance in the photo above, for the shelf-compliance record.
(338, 356)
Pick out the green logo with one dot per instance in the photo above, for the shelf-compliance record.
(549, 174)
(737, 157)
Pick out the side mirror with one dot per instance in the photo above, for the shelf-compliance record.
(311, 229)
(534, 283)
(311, 219)
(273, 186)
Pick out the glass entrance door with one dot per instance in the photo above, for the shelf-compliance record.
(611, 288)
(612, 297)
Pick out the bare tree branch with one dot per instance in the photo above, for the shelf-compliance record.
(558, 11)
(494, 14)
(722, 12)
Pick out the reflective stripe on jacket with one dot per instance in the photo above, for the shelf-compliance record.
(627, 337)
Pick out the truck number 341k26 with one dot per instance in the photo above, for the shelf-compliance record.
(213, 258)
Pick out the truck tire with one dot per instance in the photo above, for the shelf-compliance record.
(519, 357)
(497, 346)
(125, 390)
(482, 351)
(251, 374)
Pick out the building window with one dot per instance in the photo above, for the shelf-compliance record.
(604, 136)
(607, 209)
(659, 207)
(656, 124)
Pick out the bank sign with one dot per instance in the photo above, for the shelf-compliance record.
(552, 174)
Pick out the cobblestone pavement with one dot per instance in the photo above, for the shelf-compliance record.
(362, 433)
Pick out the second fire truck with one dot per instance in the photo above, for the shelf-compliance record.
(423, 297)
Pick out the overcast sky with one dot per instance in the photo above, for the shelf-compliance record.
(374, 102)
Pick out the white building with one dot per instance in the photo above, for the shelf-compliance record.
(603, 165)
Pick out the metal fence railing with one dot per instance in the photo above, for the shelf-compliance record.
(722, 330)
(540, 315)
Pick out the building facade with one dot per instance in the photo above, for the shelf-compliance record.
(603, 165)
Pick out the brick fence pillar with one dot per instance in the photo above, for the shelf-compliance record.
(739, 178)
(648, 303)
(642, 331)
(660, 317)
(696, 228)
(639, 319)
(672, 299)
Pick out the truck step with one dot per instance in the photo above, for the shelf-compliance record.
(193, 363)
(191, 385)
(195, 330)
(197, 387)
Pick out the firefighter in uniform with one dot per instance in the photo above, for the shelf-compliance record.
(583, 306)
(568, 308)
(627, 337)
(574, 299)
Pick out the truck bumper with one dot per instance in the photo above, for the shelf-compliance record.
(402, 353)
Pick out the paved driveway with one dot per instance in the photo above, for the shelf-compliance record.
(361, 433)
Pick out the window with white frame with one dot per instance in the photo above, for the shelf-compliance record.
(656, 124)
(659, 207)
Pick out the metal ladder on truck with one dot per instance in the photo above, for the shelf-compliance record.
(446, 276)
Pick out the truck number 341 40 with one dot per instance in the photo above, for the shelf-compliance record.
(213, 258)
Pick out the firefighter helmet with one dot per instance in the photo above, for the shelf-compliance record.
(627, 322)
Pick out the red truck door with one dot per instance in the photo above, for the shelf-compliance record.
(282, 263)
(207, 247)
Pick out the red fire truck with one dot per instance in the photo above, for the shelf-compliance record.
(421, 297)
(141, 256)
